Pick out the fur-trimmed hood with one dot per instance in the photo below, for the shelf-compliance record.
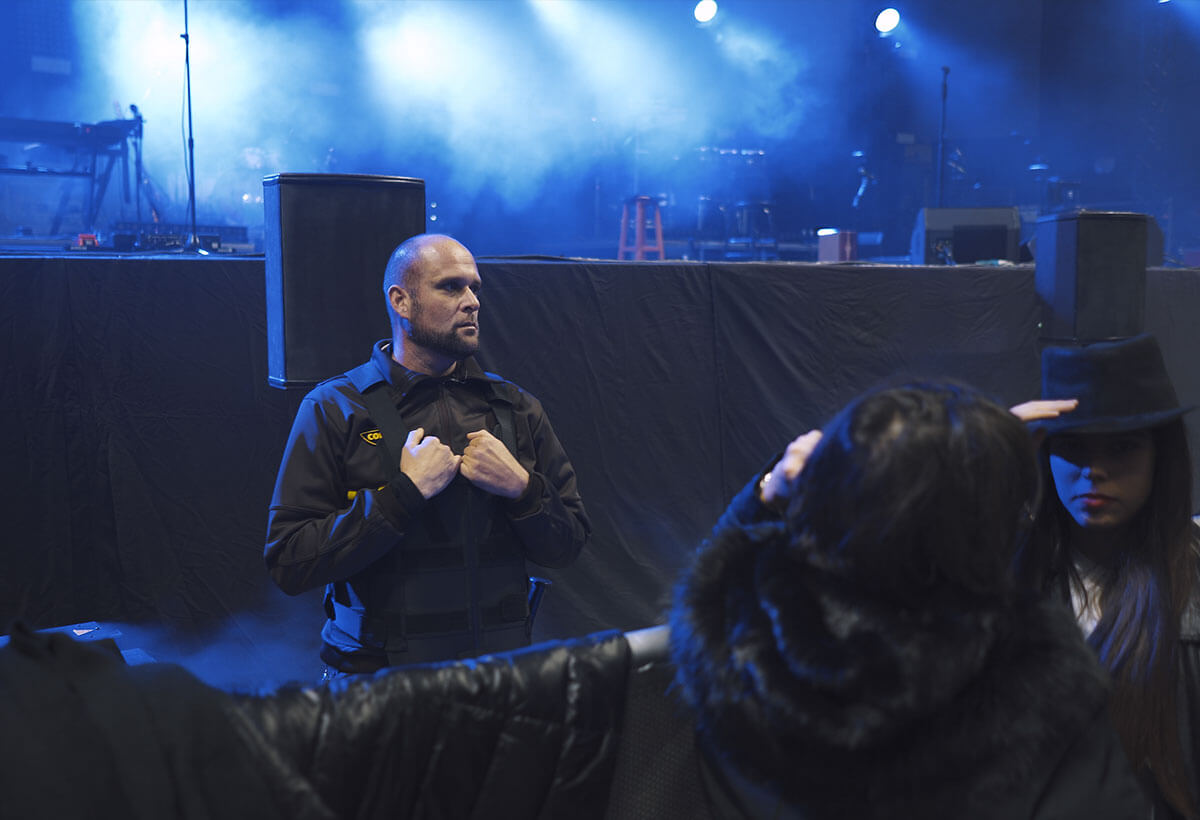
(863, 709)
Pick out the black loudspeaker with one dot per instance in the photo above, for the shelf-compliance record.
(944, 236)
(1091, 274)
(1155, 244)
(328, 239)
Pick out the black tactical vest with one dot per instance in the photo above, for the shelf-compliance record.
(456, 585)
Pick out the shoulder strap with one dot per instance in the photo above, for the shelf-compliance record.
(500, 399)
(364, 376)
(368, 381)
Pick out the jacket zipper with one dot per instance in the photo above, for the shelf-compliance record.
(467, 529)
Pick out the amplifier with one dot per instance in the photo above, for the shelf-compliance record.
(947, 236)
(160, 241)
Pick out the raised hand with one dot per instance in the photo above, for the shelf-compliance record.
(779, 483)
(489, 465)
(1043, 409)
(1037, 409)
(428, 463)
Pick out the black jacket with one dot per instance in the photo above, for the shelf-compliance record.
(841, 706)
(530, 734)
(339, 517)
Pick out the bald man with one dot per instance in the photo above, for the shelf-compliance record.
(415, 487)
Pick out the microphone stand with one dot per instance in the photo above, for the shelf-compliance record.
(193, 243)
(941, 151)
(137, 163)
(865, 179)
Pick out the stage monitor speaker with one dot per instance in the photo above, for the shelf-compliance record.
(945, 236)
(328, 238)
(1091, 274)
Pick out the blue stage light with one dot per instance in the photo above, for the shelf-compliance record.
(705, 11)
(887, 20)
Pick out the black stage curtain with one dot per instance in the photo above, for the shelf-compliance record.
(140, 438)
(671, 383)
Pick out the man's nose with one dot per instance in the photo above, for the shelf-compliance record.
(472, 302)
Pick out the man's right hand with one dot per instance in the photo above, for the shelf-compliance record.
(428, 463)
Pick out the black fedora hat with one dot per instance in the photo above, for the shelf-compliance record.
(1121, 386)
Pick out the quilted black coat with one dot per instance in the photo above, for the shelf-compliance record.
(526, 734)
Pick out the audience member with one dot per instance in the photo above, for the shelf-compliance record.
(1116, 539)
(525, 734)
(872, 654)
(415, 487)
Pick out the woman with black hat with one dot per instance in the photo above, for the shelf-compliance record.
(852, 641)
(1116, 538)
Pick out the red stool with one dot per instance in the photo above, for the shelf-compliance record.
(641, 204)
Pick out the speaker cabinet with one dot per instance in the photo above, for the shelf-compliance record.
(1091, 274)
(944, 236)
(328, 238)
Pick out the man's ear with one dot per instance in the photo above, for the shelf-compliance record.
(399, 301)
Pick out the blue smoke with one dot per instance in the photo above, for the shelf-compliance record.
(496, 103)
(531, 120)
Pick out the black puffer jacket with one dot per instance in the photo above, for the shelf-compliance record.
(530, 734)
(816, 700)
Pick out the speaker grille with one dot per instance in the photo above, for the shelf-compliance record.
(328, 238)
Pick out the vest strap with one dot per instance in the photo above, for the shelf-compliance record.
(368, 381)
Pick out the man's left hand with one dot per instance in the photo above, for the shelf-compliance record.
(489, 465)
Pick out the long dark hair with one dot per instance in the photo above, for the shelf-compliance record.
(1142, 598)
(908, 514)
(905, 480)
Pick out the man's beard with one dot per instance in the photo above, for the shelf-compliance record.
(443, 342)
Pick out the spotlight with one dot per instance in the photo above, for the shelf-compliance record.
(887, 20)
(705, 11)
